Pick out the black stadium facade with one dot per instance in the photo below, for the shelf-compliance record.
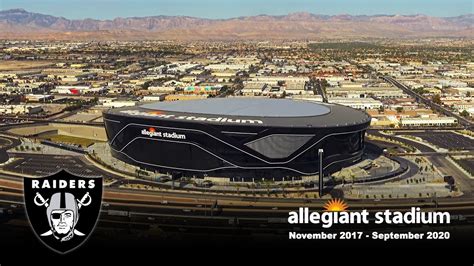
(237, 137)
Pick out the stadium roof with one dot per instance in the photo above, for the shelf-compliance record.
(271, 112)
(243, 107)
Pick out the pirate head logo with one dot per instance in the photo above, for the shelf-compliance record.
(62, 213)
(63, 208)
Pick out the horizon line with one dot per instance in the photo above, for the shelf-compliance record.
(236, 17)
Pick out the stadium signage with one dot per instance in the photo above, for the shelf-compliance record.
(192, 118)
(151, 132)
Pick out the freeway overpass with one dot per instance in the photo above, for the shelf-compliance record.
(35, 121)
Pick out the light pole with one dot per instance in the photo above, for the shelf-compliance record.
(321, 181)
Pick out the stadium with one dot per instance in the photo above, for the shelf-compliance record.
(238, 138)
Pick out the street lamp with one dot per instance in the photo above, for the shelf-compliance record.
(321, 181)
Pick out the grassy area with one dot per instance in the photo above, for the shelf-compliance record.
(72, 140)
(466, 132)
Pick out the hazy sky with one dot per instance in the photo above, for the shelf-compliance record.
(106, 9)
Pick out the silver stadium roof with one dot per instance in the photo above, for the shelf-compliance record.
(269, 112)
(243, 107)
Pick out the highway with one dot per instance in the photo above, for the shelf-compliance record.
(170, 199)
(32, 121)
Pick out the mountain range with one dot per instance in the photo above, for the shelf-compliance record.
(21, 24)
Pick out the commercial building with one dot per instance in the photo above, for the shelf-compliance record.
(428, 121)
(77, 90)
(38, 98)
(20, 109)
(365, 92)
(357, 103)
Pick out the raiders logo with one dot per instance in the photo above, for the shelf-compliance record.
(63, 208)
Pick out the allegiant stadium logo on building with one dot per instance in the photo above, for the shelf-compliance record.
(151, 132)
(192, 118)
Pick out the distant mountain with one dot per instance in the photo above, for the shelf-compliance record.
(19, 23)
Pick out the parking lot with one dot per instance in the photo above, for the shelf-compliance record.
(467, 164)
(446, 140)
(43, 164)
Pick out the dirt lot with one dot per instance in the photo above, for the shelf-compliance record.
(78, 131)
(83, 142)
(23, 65)
(28, 131)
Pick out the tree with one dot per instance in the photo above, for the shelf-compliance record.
(464, 113)
(381, 109)
(436, 99)
(146, 85)
(419, 90)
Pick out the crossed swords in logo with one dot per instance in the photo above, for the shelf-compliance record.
(40, 201)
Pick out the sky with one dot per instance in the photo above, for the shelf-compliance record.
(108, 9)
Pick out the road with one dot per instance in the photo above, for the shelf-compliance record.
(32, 121)
(319, 88)
(417, 145)
(439, 160)
(463, 121)
(464, 183)
(164, 198)
(6, 143)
